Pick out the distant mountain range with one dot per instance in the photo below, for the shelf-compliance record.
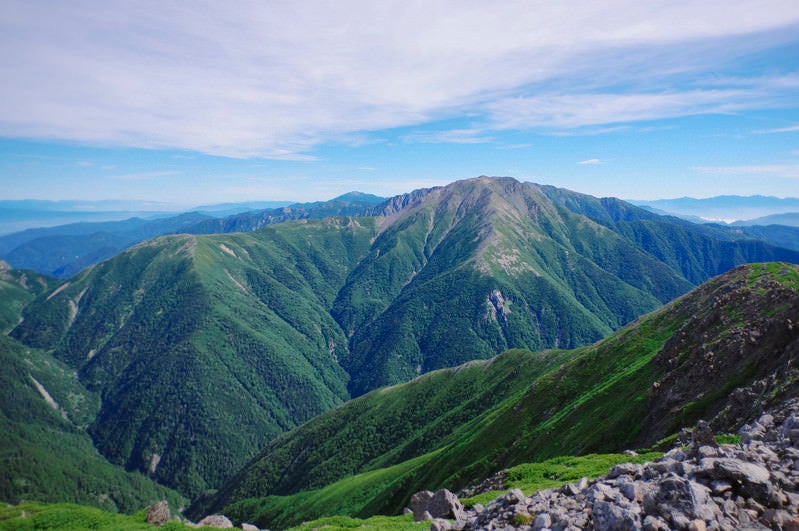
(743, 210)
(63, 250)
(196, 351)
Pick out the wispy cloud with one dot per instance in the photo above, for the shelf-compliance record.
(455, 136)
(790, 129)
(275, 80)
(143, 176)
(591, 162)
(787, 171)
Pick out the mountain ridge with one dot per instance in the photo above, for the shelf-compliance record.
(187, 338)
(641, 384)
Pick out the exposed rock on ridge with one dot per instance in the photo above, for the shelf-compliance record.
(750, 485)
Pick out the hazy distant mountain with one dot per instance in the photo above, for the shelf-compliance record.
(790, 219)
(204, 348)
(63, 250)
(727, 208)
(20, 215)
(231, 209)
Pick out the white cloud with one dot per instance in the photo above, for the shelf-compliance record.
(455, 136)
(275, 79)
(593, 109)
(591, 162)
(790, 129)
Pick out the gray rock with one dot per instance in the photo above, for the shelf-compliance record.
(249, 527)
(542, 521)
(441, 504)
(158, 513)
(215, 520)
(613, 517)
(702, 435)
(751, 479)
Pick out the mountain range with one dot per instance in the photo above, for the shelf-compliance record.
(193, 352)
(749, 210)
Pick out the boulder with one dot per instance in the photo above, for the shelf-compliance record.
(751, 479)
(441, 504)
(215, 520)
(158, 513)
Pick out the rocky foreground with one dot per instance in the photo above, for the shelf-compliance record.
(699, 485)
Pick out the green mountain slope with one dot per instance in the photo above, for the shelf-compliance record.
(45, 454)
(722, 352)
(204, 348)
(17, 290)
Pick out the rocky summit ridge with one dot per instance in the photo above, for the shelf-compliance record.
(698, 485)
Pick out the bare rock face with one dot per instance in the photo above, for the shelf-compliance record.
(158, 513)
(441, 504)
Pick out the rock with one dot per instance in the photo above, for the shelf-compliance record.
(702, 435)
(215, 520)
(249, 527)
(441, 504)
(439, 524)
(158, 513)
(751, 479)
(697, 525)
(612, 517)
(542, 521)
(752, 485)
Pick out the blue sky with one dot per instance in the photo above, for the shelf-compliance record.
(206, 102)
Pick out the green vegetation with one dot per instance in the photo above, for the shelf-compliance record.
(785, 274)
(533, 477)
(33, 516)
(528, 408)
(375, 523)
(45, 455)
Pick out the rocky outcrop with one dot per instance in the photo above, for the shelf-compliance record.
(215, 520)
(427, 505)
(158, 513)
(753, 484)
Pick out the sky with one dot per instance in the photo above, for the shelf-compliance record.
(199, 102)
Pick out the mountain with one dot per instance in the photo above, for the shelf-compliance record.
(19, 215)
(205, 348)
(790, 219)
(723, 352)
(724, 207)
(350, 204)
(45, 452)
(64, 250)
(17, 290)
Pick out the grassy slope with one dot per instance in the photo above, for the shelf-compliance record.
(595, 402)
